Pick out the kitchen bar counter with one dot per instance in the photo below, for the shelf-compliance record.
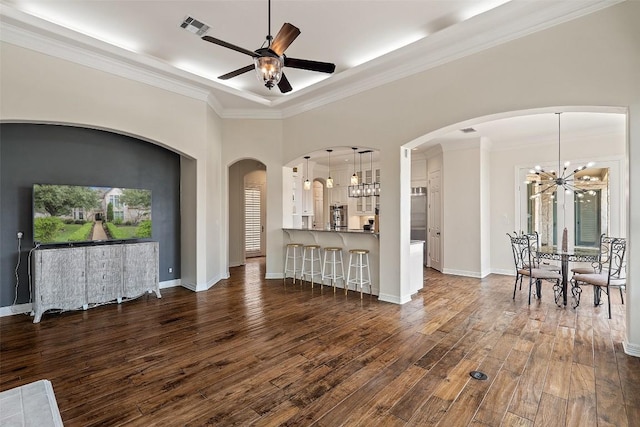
(346, 239)
(340, 230)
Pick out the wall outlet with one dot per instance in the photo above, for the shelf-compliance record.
(170, 270)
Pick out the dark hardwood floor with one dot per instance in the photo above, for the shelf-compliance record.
(253, 352)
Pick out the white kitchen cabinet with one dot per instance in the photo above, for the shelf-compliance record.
(307, 201)
(367, 205)
(339, 190)
(419, 172)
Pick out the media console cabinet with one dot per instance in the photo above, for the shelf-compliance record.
(68, 278)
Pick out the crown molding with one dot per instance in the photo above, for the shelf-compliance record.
(466, 38)
(505, 23)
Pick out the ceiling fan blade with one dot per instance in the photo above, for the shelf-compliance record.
(305, 64)
(237, 72)
(284, 84)
(230, 46)
(284, 38)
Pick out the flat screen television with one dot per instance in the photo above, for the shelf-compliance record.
(70, 214)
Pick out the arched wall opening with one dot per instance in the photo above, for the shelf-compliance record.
(244, 174)
(37, 153)
(480, 181)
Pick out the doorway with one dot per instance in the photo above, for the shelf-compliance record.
(434, 206)
(247, 211)
(318, 204)
(253, 222)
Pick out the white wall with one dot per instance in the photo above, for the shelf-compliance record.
(260, 140)
(462, 218)
(485, 207)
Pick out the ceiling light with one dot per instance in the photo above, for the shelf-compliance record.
(307, 183)
(329, 180)
(549, 182)
(269, 69)
(354, 177)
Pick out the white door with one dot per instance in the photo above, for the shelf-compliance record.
(435, 221)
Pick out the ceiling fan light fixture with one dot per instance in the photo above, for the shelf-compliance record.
(269, 70)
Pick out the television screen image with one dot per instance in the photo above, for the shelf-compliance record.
(74, 214)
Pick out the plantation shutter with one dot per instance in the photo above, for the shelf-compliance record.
(252, 225)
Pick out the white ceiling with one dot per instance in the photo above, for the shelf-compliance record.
(371, 42)
(142, 39)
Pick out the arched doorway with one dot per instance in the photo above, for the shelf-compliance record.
(247, 210)
(318, 204)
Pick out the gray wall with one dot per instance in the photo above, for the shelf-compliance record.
(51, 154)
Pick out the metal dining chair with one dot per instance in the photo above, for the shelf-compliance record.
(605, 241)
(611, 273)
(535, 244)
(524, 259)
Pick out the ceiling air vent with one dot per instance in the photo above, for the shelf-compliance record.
(194, 26)
(468, 130)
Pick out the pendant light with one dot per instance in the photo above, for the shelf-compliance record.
(374, 186)
(369, 186)
(307, 183)
(549, 182)
(360, 187)
(354, 177)
(329, 180)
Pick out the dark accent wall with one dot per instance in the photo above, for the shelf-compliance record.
(51, 154)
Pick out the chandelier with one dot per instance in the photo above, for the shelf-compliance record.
(549, 182)
(358, 187)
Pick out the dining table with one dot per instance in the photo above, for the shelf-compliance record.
(554, 253)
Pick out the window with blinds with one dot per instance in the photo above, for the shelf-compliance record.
(252, 223)
(587, 218)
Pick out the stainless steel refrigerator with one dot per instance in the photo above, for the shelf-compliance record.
(419, 217)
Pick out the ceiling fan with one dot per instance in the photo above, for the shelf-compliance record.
(269, 60)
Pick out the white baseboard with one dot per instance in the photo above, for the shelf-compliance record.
(463, 273)
(190, 286)
(631, 349)
(10, 310)
(394, 299)
(274, 275)
(503, 272)
(170, 283)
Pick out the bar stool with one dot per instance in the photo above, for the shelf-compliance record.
(311, 256)
(359, 260)
(335, 259)
(294, 253)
